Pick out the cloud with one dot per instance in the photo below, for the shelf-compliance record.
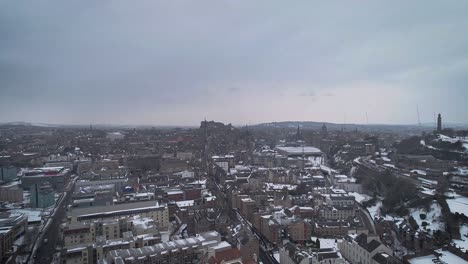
(170, 62)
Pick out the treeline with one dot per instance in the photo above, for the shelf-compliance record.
(396, 191)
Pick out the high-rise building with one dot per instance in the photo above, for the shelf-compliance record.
(439, 123)
(42, 195)
(11, 193)
(8, 174)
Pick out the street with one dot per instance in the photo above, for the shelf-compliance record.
(44, 248)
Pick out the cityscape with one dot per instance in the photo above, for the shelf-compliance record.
(233, 132)
(269, 193)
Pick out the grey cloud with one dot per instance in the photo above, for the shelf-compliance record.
(178, 57)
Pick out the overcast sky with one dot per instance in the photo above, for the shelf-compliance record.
(243, 62)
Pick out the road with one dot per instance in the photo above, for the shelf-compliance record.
(43, 251)
(265, 255)
(369, 222)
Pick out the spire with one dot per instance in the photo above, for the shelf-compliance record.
(298, 133)
(439, 123)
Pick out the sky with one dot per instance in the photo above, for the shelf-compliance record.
(242, 62)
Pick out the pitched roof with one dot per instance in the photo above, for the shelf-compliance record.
(362, 241)
(225, 255)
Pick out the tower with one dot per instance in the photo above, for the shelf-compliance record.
(439, 123)
(324, 131)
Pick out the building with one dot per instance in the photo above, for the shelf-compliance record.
(11, 193)
(184, 155)
(248, 207)
(439, 123)
(295, 150)
(8, 174)
(362, 248)
(300, 230)
(12, 227)
(340, 200)
(293, 254)
(144, 162)
(151, 209)
(115, 136)
(96, 252)
(92, 186)
(42, 195)
(197, 249)
(87, 232)
(57, 177)
(336, 212)
(331, 228)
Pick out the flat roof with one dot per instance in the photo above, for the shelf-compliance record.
(299, 150)
(114, 208)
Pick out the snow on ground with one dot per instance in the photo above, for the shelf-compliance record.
(19, 241)
(450, 193)
(327, 169)
(450, 258)
(463, 241)
(420, 172)
(316, 161)
(374, 211)
(33, 215)
(446, 258)
(328, 243)
(422, 260)
(447, 139)
(277, 256)
(427, 181)
(393, 218)
(433, 217)
(165, 236)
(428, 191)
(359, 197)
(459, 204)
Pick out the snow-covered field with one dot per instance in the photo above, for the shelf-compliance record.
(433, 217)
(459, 204)
(463, 241)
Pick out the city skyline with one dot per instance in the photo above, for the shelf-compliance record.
(154, 63)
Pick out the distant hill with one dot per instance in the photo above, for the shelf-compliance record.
(348, 127)
(98, 126)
